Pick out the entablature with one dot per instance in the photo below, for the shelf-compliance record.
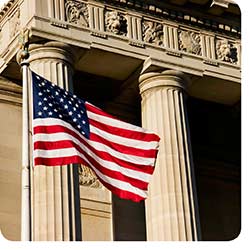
(163, 30)
(162, 36)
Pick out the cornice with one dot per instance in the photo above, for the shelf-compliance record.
(6, 7)
(10, 92)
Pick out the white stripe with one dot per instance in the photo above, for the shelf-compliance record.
(123, 140)
(97, 145)
(50, 122)
(57, 153)
(72, 151)
(115, 122)
(121, 184)
(113, 138)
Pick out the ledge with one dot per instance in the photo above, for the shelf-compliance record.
(10, 92)
(6, 7)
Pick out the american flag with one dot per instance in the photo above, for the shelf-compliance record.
(68, 129)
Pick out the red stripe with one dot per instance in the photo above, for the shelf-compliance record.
(76, 159)
(58, 161)
(136, 135)
(124, 194)
(111, 173)
(101, 154)
(147, 153)
(119, 131)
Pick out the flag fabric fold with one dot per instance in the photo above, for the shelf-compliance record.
(68, 129)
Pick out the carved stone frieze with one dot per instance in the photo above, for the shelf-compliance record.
(115, 22)
(87, 177)
(152, 32)
(77, 13)
(159, 9)
(189, 41)
(226, 51)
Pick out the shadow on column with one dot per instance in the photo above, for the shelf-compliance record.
(74, 209)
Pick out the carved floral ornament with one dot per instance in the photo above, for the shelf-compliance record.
(115, 22)
(226, 51)
(77, 13)
(87, 177)
(189, 41)
(152, 32)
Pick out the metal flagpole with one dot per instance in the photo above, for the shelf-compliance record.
(22, 57)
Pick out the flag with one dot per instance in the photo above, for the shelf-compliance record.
(68, 129)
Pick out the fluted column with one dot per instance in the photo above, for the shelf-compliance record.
(171, 208)
(54, 189)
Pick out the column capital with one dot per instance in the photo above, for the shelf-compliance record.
(52, 50)
(166, 78)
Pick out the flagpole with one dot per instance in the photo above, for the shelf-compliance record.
(22, 57)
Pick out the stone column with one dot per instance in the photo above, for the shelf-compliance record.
(171, 208)
(55, 207)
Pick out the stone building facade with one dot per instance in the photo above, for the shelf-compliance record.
(171, 66)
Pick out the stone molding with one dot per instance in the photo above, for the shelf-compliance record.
(7, 6)
(10, 92)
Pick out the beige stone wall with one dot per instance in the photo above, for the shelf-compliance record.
(96, 208)
(96, 219)
(10, 167)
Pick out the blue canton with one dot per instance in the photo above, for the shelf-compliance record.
(51, 101)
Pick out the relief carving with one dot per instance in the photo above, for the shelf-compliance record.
(189, 41)
(226, 51)
(77, 13)
(88, 178)
(152, 32)
(115, 22)
(15, 23)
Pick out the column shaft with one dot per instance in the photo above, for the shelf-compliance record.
(54, 187)
(170, 207)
